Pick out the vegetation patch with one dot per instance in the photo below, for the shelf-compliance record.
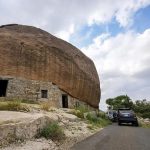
(79, 111)
(14, 105)
(97, 121)
(29, 101)
(145, 125)
(140, 107)
(45, 106)
(48, 106)
(52, 131)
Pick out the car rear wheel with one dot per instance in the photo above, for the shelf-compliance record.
(135, 123)
(119, 123)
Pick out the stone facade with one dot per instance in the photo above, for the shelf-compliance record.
(20, 88)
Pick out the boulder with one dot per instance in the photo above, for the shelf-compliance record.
(34, 54)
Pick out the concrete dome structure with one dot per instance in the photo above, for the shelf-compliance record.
(35, 64)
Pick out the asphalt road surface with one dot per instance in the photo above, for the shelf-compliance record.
(116, 137)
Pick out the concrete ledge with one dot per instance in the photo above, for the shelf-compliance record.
(18, 125)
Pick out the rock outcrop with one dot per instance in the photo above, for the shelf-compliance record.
(34, 54)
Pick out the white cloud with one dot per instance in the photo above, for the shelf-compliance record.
(123, 63)
(58, 16)
(128, 8)
(66, 34)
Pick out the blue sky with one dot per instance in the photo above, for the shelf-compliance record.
(141, 22)
(141, 19)
(87, 33)
(114, 34)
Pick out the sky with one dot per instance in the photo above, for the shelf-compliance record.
(115, 34)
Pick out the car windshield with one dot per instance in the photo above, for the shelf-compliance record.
(125, 111)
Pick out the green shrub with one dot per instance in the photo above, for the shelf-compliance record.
(52, 131)
(91, 127)
(145, 115)
(97, 121)
(101, 115)
(29, 101)
(92, 118)
(104, 122)
(79, 111)
(82, 108)
(142, 108)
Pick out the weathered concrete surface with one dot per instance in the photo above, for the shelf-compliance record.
(8, 116)
(18, 125)
(22, 125)
(34, 54)
(36, 144)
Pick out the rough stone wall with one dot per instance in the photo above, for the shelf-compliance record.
(34, 54)
(20, 88)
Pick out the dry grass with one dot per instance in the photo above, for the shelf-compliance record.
(144, 124)
(14, 105)
(47, 106)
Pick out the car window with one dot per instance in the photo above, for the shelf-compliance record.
(126, 111)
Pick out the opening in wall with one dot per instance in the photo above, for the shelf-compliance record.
(3, 87)
(64, 101)
(77, 104)
(44, 94)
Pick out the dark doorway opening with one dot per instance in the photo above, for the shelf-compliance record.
(3, 87)
(64, 101)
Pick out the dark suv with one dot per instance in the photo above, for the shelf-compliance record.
(126, 115)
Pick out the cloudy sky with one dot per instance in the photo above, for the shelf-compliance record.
(115, 34)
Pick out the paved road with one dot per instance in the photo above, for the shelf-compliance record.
(116, 137)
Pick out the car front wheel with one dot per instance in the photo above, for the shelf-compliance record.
(135, 123)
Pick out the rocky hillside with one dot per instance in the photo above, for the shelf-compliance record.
(20, 129)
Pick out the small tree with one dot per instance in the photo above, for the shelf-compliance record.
(142, 107)
(122, 101)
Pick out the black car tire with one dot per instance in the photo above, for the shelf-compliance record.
(119, 123)
(135, 123)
